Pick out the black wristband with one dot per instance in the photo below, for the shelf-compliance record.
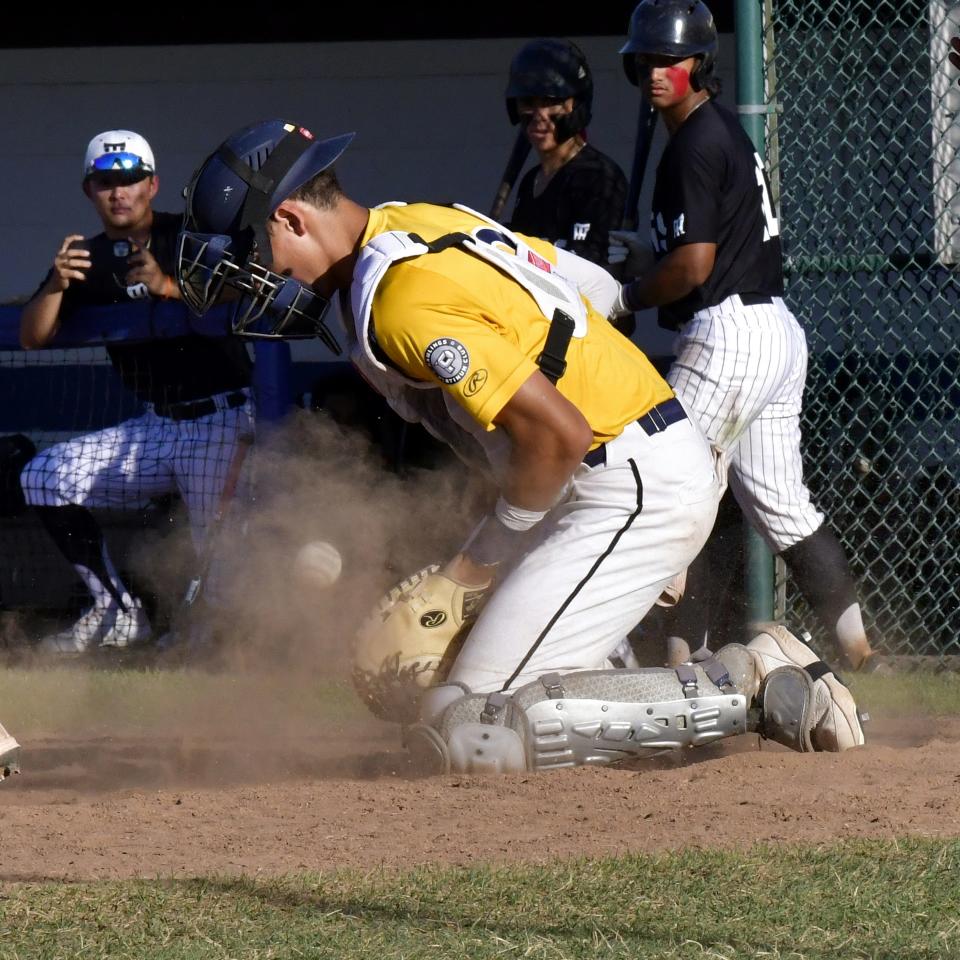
(631, 297)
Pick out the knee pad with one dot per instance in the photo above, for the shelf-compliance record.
(836, 722)
(593, 717)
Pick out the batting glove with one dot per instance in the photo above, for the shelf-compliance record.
(632, 250)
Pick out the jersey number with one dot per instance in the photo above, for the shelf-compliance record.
(771, 225)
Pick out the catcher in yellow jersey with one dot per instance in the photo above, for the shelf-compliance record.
(607, 489)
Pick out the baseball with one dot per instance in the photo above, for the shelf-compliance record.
(318, 564)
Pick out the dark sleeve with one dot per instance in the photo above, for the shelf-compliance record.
(594, 207)
(523, 220)
(166, 236)
(690, 184)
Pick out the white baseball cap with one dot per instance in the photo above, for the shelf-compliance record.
(121, 150)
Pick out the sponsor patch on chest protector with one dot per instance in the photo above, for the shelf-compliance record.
(448, 359)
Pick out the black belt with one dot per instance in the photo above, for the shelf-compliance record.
(674, 321)
(655, 420)
(192, 409)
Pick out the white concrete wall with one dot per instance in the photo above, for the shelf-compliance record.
(429, 117)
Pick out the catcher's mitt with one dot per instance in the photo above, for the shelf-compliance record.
(410, 640)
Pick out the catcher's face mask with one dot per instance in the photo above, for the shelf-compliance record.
(212, 267)
(225, 251)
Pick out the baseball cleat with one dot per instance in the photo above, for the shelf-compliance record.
(87, 632)
(129, 628)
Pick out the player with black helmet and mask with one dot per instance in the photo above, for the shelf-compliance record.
(576, 193)
(716, 275)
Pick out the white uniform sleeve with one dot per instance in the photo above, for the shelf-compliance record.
(591, 280)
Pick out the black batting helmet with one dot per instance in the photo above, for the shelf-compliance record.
(552, 67)
(672, 28)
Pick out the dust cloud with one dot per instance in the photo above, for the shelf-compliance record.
(267, 694)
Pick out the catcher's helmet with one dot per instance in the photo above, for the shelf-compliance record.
(672, 28)
(552, 68)
(225, 242)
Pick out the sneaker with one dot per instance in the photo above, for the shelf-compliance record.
(87, 632)
(129, 628)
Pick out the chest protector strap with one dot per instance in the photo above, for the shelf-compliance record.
(552, 360)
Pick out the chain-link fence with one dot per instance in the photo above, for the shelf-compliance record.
(863, 147)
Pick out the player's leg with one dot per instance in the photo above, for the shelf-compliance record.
(120, 467)
(600, 561)
(766, 476)
(207, 451)
(730, 362)
(774, 686)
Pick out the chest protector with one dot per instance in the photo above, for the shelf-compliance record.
(488, 240)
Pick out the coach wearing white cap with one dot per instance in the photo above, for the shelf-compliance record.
(194, 390)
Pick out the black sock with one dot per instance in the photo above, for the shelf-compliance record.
(78, 535)
(820, 569)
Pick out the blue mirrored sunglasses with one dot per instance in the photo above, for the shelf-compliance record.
(120, 161)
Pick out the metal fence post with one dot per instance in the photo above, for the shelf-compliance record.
(752, 109)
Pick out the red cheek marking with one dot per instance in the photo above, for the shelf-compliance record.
(680, 80)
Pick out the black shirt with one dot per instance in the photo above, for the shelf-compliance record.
(158, 371)
(582, 201)
(711, 188)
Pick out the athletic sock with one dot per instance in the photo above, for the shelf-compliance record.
(820, 569)
(76, 532)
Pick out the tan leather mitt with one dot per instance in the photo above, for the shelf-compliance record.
(410, 640)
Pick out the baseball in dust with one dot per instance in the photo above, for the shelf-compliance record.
(318, 564)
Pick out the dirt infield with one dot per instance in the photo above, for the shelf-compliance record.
(115, 808)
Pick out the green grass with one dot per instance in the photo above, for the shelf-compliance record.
(83, 702)
(846, 902)
(907, 694)
(76, 701)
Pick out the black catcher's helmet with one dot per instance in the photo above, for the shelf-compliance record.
(551, 67)
(672, 28)
(225, 243)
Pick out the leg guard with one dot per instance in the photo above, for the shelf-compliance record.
(834, 723)
(593, 717)
(9, 754)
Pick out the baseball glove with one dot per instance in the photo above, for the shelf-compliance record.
(410, 640)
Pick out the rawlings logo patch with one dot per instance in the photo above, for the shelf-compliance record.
(448, 359)
(476, 383)
(433, 618)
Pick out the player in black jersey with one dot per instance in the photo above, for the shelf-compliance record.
(576, 194)
(194, 388)
(717, 278)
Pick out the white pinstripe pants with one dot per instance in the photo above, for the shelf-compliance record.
(741, 371)
(123, 466)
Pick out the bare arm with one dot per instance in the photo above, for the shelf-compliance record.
(549, 437)
(40, 318)
(678, 274)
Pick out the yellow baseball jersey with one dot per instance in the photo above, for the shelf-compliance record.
(455, 319)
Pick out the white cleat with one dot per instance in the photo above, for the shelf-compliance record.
(101, 627)
(129, 628)
(86, 633)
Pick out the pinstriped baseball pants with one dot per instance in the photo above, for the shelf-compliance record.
(740, 370)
